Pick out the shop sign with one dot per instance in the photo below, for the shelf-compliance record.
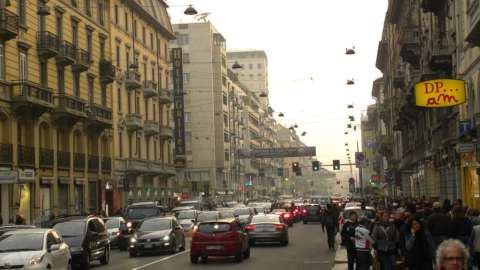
(465, 148)
(178, 106)
(8, 176)
(440, 93)
(26, 175)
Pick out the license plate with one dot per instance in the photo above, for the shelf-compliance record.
(214, 247)
(148, 246)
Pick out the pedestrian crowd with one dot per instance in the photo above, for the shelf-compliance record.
(411, 234)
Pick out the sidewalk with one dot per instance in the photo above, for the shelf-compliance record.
(340, 259)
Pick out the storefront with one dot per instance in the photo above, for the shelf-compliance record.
(8, 178)
(46, 197)
(79, 196)
(63, 195)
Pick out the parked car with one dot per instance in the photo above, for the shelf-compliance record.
(286, 216)
(157, 234)
(86, 237)
(311, 213)
(219, 238)
(33, 248)
(267, 228)
(187, 220)
(244, 215)
(115, 226)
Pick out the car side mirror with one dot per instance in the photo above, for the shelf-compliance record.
(193, 221)
(53, 247)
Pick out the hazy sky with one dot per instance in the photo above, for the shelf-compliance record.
(303, 39)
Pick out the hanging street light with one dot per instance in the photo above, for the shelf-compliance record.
(350, 51)
(351, 82)
(350, 106)
(263, 94)
(304, 133)
(190, 10)
(236, 65)
(281, 114)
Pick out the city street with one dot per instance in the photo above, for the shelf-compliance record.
(307, 250)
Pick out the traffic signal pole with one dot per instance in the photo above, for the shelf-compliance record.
(360, 176)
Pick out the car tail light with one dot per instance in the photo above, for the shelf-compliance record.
(117, 234)
(304, 211)
(250, 227)
(279, 227)
(287, 215)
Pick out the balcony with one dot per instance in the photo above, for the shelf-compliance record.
(46, 158)
(93, 163)
(63, 160)
(106, 165)
(47, 44)
(136, 166)
(165, 96)
(69, 109)
(133, 121)
(150, 127)
(26, 156)
(8, 24)
(107, 71)
(31, 98)
(82, 61)
(150, 89)
(6, 154)
(410, 46)
(66, 53)
(99, 117)
(441, 59)
(435, 6)
(166, 132)
(133, 79)
(78, 161)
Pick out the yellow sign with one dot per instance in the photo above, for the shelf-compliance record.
(440, 93)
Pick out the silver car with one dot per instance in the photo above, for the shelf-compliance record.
(33, 249)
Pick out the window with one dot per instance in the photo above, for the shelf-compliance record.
(147, 150)
(250, 66)
(61, 79)
(100, 12)
(155, 151)
(135, 59)
(153, 72)
(146, 109)
(76, 84)
(75, 34)
(165, 48)
(225, 137)
(119, 91)
(104, 95)
(22, 13)
(259, 66)
(134, 28)
(43, 73)
(144, 37)
(225, 99)
(73, 2)
(117, 54)
(129, 102)
(151, 41)
(88, 7)
(145, 71)
(23, 65)
(130, 146)
(137, 105)
(127, 57)
(154, 111)
(225, 120)
(126, 21)
(186, 58)
(2, 61)
(186, 78)
(116, 14)
(90, 90)
(158, 47)
(139, 147)
(188, 117)
(188, 137)
(102, 48)
(89, 44)
(182, 39)
(59, 25)
(227, 155)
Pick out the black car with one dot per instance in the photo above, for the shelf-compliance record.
(86, 237)
(157, 234)
(267, 228)
(137, 212)
(312, 212)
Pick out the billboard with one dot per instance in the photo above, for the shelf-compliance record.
(440, 93)
(178, 106)
(277, 152)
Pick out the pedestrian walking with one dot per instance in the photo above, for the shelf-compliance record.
(19, 220)
(438, 226)
(474, 242)
(330, 225)
(348, 238)
(418, 255)
(447, 206)
(363, 244)
(452, 255)
(386, 238)
(461, 227)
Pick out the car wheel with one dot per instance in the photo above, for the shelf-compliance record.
(86, 262)
(174, 247)
(247, 253)
(106, 256)
(204, 259)
(239, 256)
(193, 259)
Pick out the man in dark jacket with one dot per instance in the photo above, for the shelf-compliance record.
(438, 226)
(329, 223)
(348, 238)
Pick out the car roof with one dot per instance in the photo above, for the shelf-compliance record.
(358, 208)
(8, 227)
(27, 231)
(160, 218)
(223, 220)
(145, 204)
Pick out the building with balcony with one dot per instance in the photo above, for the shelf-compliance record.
(142, 101)
(55, 111)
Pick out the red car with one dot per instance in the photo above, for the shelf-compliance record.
(288, 217)
(219, 238)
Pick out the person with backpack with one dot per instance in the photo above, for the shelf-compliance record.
(363, 244)
(330, 225)
(386, 238)
(348, 238)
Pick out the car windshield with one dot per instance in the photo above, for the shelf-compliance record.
(112, 223)
(71, 228)
(313, 207)
(227, 214)
(214, 227)
(207, 216)
(266, 219)
(184, 204)
(142, 212)
(370, 214)
(155, 225)
(15, 242)
(321, 200)
(243, 211)
(185, 215)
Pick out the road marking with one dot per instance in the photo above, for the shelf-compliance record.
(316, 262)
(160, 260)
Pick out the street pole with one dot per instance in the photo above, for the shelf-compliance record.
(360, 176)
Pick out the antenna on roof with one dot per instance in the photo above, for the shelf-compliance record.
(202, 16)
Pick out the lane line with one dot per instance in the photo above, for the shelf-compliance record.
(161, 260)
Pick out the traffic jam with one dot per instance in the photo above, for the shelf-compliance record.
(229, 229)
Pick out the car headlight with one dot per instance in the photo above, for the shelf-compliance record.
(76, 249)
(129, 224)
(36, 260)
(133, 240)
(166, 238)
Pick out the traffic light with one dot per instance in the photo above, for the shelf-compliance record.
(315, 165)
(336, 165)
